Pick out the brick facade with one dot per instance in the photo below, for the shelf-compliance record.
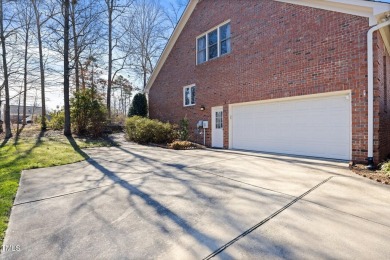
(381, 100)
(278, 50)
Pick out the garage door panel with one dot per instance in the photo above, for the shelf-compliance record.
(312, 127)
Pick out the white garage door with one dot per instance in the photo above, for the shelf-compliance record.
(317, 127)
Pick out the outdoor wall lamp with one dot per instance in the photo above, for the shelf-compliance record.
(202, 108)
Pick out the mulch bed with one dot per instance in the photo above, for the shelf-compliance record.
(167, 146)
(378, 175)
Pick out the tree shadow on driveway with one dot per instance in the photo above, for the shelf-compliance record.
(161, 210)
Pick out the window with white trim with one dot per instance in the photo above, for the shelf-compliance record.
(214, 43)
(202, 49)
(189, 96)
(224, 39)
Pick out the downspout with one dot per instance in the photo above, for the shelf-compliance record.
(370, 61)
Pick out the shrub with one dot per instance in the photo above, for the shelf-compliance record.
(386, 168)
(183, 133)
(139, 106)
(57, 120)
(88, 113)
(181, 145)
(143, 130)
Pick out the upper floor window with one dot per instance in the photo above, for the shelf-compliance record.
(214, 43)
(224, 39)
(202, 49)
(189, 95)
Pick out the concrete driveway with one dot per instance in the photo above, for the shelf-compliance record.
(138, 202)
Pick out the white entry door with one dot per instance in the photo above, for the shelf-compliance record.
(217, 127)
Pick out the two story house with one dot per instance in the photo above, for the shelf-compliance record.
(294, 77)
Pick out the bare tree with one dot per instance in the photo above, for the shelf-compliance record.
(25, 13)
(39, 23)
(3, 36)
(75, 42)
(146, 29)
(65, 11)
(174, 11)
(115, 10)
(84, 18)
(124, 87)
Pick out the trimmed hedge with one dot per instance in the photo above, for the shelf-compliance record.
(144, 130)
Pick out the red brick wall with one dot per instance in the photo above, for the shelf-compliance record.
(382, 119)
(278, 50)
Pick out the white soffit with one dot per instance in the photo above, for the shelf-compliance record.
(355, 7)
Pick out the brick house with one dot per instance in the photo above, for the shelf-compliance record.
(17, 112)
(280, 76)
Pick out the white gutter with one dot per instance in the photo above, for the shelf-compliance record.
(370, 61)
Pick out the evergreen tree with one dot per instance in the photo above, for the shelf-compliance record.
(139, 106)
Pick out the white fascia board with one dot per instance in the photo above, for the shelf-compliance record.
(355, 7)
(168, 48)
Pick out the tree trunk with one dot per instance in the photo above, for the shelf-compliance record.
(75, 43)
(82, 70)
(122, 99)
(18, 118)
(145, 81)
(25, 75)
(67, 130)
(109, 83)
(41, 66)
(1, 119)
(7, 116)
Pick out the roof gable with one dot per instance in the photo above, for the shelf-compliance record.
(375, 11)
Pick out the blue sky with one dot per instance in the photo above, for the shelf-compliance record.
(385, 1)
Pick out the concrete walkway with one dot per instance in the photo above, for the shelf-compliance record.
(138, 202)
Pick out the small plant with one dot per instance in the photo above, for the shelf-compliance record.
(181, 145)
(139, 106)
(183, 132)
(385, 167)
(88, 113)
(57, 120)
(143, 130)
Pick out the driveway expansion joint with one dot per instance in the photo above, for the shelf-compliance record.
(231, 242)
(79, 191)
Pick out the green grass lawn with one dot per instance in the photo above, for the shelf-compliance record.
(34, 152)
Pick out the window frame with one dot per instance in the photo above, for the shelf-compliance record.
(218, 120)
(213, 45)
(184, 95)
(203, 50)
(227, 39)
(205, 34)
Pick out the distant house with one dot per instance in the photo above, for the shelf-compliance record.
(303, 77)
(30, 110)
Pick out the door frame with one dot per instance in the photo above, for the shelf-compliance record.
(213, 110)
